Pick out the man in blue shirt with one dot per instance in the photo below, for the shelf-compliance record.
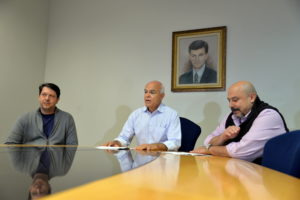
(156, 126)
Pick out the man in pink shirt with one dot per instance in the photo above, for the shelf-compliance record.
(244, 132)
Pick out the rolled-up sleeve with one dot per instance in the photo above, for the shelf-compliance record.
(218, 131)
(174, 134)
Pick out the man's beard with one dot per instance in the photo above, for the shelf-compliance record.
(237, 109)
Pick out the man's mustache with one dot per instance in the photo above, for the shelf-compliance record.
(234, 109)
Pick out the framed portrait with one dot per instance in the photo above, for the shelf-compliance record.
(199, 60)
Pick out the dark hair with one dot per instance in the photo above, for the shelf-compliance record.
(198, 44)
(51, 86)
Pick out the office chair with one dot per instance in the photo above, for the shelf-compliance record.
(282, 153)
(189, 134)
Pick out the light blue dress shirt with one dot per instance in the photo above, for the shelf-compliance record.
(160, 126)
(127, 162)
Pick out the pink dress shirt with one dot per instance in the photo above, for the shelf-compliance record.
(267, 125)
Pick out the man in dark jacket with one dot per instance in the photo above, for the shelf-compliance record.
(200, 72)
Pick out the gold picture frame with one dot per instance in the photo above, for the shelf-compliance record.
(191, 49)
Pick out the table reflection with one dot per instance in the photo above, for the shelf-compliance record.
(35, 171)
(42, 164)
(128, 161)
(162, 173)
(250, 176)
(225, 185)
(167, 177)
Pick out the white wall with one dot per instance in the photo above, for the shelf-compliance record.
(23, 39)
(103, 52)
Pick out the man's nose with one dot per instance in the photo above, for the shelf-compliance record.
(38, 189)
(197, 58)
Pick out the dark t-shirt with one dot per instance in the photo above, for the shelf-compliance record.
(48, 123)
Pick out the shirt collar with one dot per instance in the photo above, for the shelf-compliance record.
(200, 71)
(159, 109)
(56, 110)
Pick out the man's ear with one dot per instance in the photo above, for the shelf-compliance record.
(252, 97)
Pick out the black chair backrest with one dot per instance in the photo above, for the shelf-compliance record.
(282, 153)
(189, 134)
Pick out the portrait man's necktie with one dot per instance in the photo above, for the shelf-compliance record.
(196, 78)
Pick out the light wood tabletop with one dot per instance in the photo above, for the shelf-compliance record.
(190, 177)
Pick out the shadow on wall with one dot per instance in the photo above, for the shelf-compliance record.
(211, 115)
(122, 113)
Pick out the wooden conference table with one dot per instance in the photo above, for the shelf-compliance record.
(90, 173)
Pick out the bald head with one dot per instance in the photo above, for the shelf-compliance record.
(157, 84)
(241, 96)
(244, 86)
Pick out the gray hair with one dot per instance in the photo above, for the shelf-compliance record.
(162, 87)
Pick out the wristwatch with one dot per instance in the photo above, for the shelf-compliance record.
(208, 146)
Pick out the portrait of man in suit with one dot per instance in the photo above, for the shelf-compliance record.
(199, 72)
